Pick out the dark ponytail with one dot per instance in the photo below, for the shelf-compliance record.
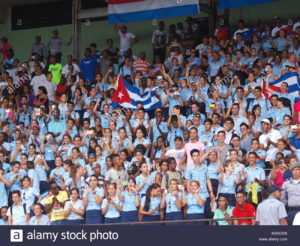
(148, 195)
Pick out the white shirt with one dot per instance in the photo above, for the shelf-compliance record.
(51, 88)
(36, 82)
(75, 71)
(297, 216)
(76, 205)
(274, 135)
(125, 40)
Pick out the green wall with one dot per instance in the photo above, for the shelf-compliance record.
(99, 31)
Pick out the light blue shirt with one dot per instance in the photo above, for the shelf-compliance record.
(49, 153)
(28, 195)
(253, 173)
(92, 205)
(128, 201)
(212, 171)
(186, 94)
(139, 180)
(193, 206)
(200, 174)
(163, 127)
(16, 185)
(41, 172)
(154, 204)
(264, 105)
(32, 174)
(57, 126)
(44, 220)
(175, 132)
(61, 171)
(228, 185)
(112, 211)
(3, 195)
(171, 205)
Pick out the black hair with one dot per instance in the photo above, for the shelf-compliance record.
(194, 151)
(148, 196)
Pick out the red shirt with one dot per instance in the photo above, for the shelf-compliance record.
(247, 211)
(4, 49)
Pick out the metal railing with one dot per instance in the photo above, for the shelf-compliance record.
(173, 221)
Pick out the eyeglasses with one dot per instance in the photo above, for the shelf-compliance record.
(243, 129)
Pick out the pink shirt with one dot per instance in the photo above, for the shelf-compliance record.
(279, 179)
(190, 146)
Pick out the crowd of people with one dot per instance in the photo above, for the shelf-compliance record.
(217, 147)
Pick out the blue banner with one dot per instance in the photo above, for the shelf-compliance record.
(225, 4)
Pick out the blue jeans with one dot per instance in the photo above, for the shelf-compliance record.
(58, 222)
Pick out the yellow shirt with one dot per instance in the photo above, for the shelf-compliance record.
(57, 212)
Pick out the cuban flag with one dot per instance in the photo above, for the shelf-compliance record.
(224, 4)
(291, 78)
(128, 96)
(121, 11)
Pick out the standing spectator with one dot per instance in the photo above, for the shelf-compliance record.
(272, 211)
(194, 143)
(291, 193)
(39, 48)
(38, 80)
(159, 42)
(55, 68)
(141, 65)
(269, 138)
(88, 65)
(50, 87)
(55, 44)
(127, 39)
(4, 48)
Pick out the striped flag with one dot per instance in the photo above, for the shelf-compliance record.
(291, 78)
(121, 11)
(128, 96)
